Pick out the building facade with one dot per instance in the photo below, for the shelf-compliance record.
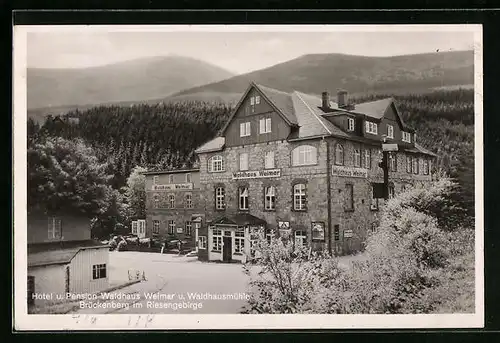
(303, 164)
(63, 259)
(173, 207)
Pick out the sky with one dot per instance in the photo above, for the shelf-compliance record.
(238, 52)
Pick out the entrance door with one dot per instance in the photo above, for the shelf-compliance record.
(227, 247)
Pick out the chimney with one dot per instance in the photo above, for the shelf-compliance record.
(342, 98)
(325, 101)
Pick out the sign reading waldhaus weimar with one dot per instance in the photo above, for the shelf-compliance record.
(349, 172)
(257, 174)
(173, 186)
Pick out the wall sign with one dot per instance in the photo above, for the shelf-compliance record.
(318, 231)
(349, 172)
(284, 228)
(257, 174)
(347, 233)
(172, 186)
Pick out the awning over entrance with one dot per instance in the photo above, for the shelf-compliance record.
(240, 219)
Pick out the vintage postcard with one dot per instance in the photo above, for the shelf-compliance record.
(248, 177)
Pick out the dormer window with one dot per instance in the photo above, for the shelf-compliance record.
(245, 129)
(406, 137)
(390, 131)
(371, 127)
(350, 124)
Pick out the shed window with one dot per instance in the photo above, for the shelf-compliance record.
(98, 271)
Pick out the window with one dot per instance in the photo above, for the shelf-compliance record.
(415, 165)
(243, 198)
(156, 226)
(406, 137)
(426, 166)
(257, 99)
(245, 129)
(202, 242)
(171, 227)
(392, 191)
(269, 236)
(299, 197)
(171, 200)
(156, 200)
(220, 202)
(374, 201)
(390, 131)
(188, 200)
(368, 158)
(304, 155)
(244, 161)
(408, 164)
(393, 162)
(270, 198)
(215, 164)
(300, 239)
(170, 179)
(239, 241)
(54, 228)
(339, 155)
(216, 240)
(265, 125)
(252, 101)
(188, 178)
(371, 127)
(318, 231)
(155, 180)
(336, 232)
(350, 124)
(349, 197)
(98, 271)
(269, 160)
(189, 228)
(134, 227)
(357, 157)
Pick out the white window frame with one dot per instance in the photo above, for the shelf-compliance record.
(239, 241)
(265, 125)
(244, 161)
(54, 229)
(171, 226)
(135, 226)
(405, 136)
(171, 179)
(304, 155)
(243, 198)
(350, 124)
(155, 180)
(339, 149)
(409, 164)
(357, 157)
(426, 169)
(252, 100)
(269, 160)
(156, 226)
(415, 166)
(220, 198)
(156, 200)
(270, 198)
(171, 200)
(245, 129)
(97, 271)
(257, 99)
(300, 197)
(300, 238)
(391, 190)
(390, 131)
(367, 157)
(216, 164)
(188, 227)
(217, 240)
(202, 242)
(371, 127)
(188, 200)
(393, 161)
(188, 178)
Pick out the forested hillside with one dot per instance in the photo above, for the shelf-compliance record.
(165, 135)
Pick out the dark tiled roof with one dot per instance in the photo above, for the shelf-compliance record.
(283, 101)
(57, 253)
(240, 219)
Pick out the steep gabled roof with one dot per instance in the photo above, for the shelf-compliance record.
(280, 101)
